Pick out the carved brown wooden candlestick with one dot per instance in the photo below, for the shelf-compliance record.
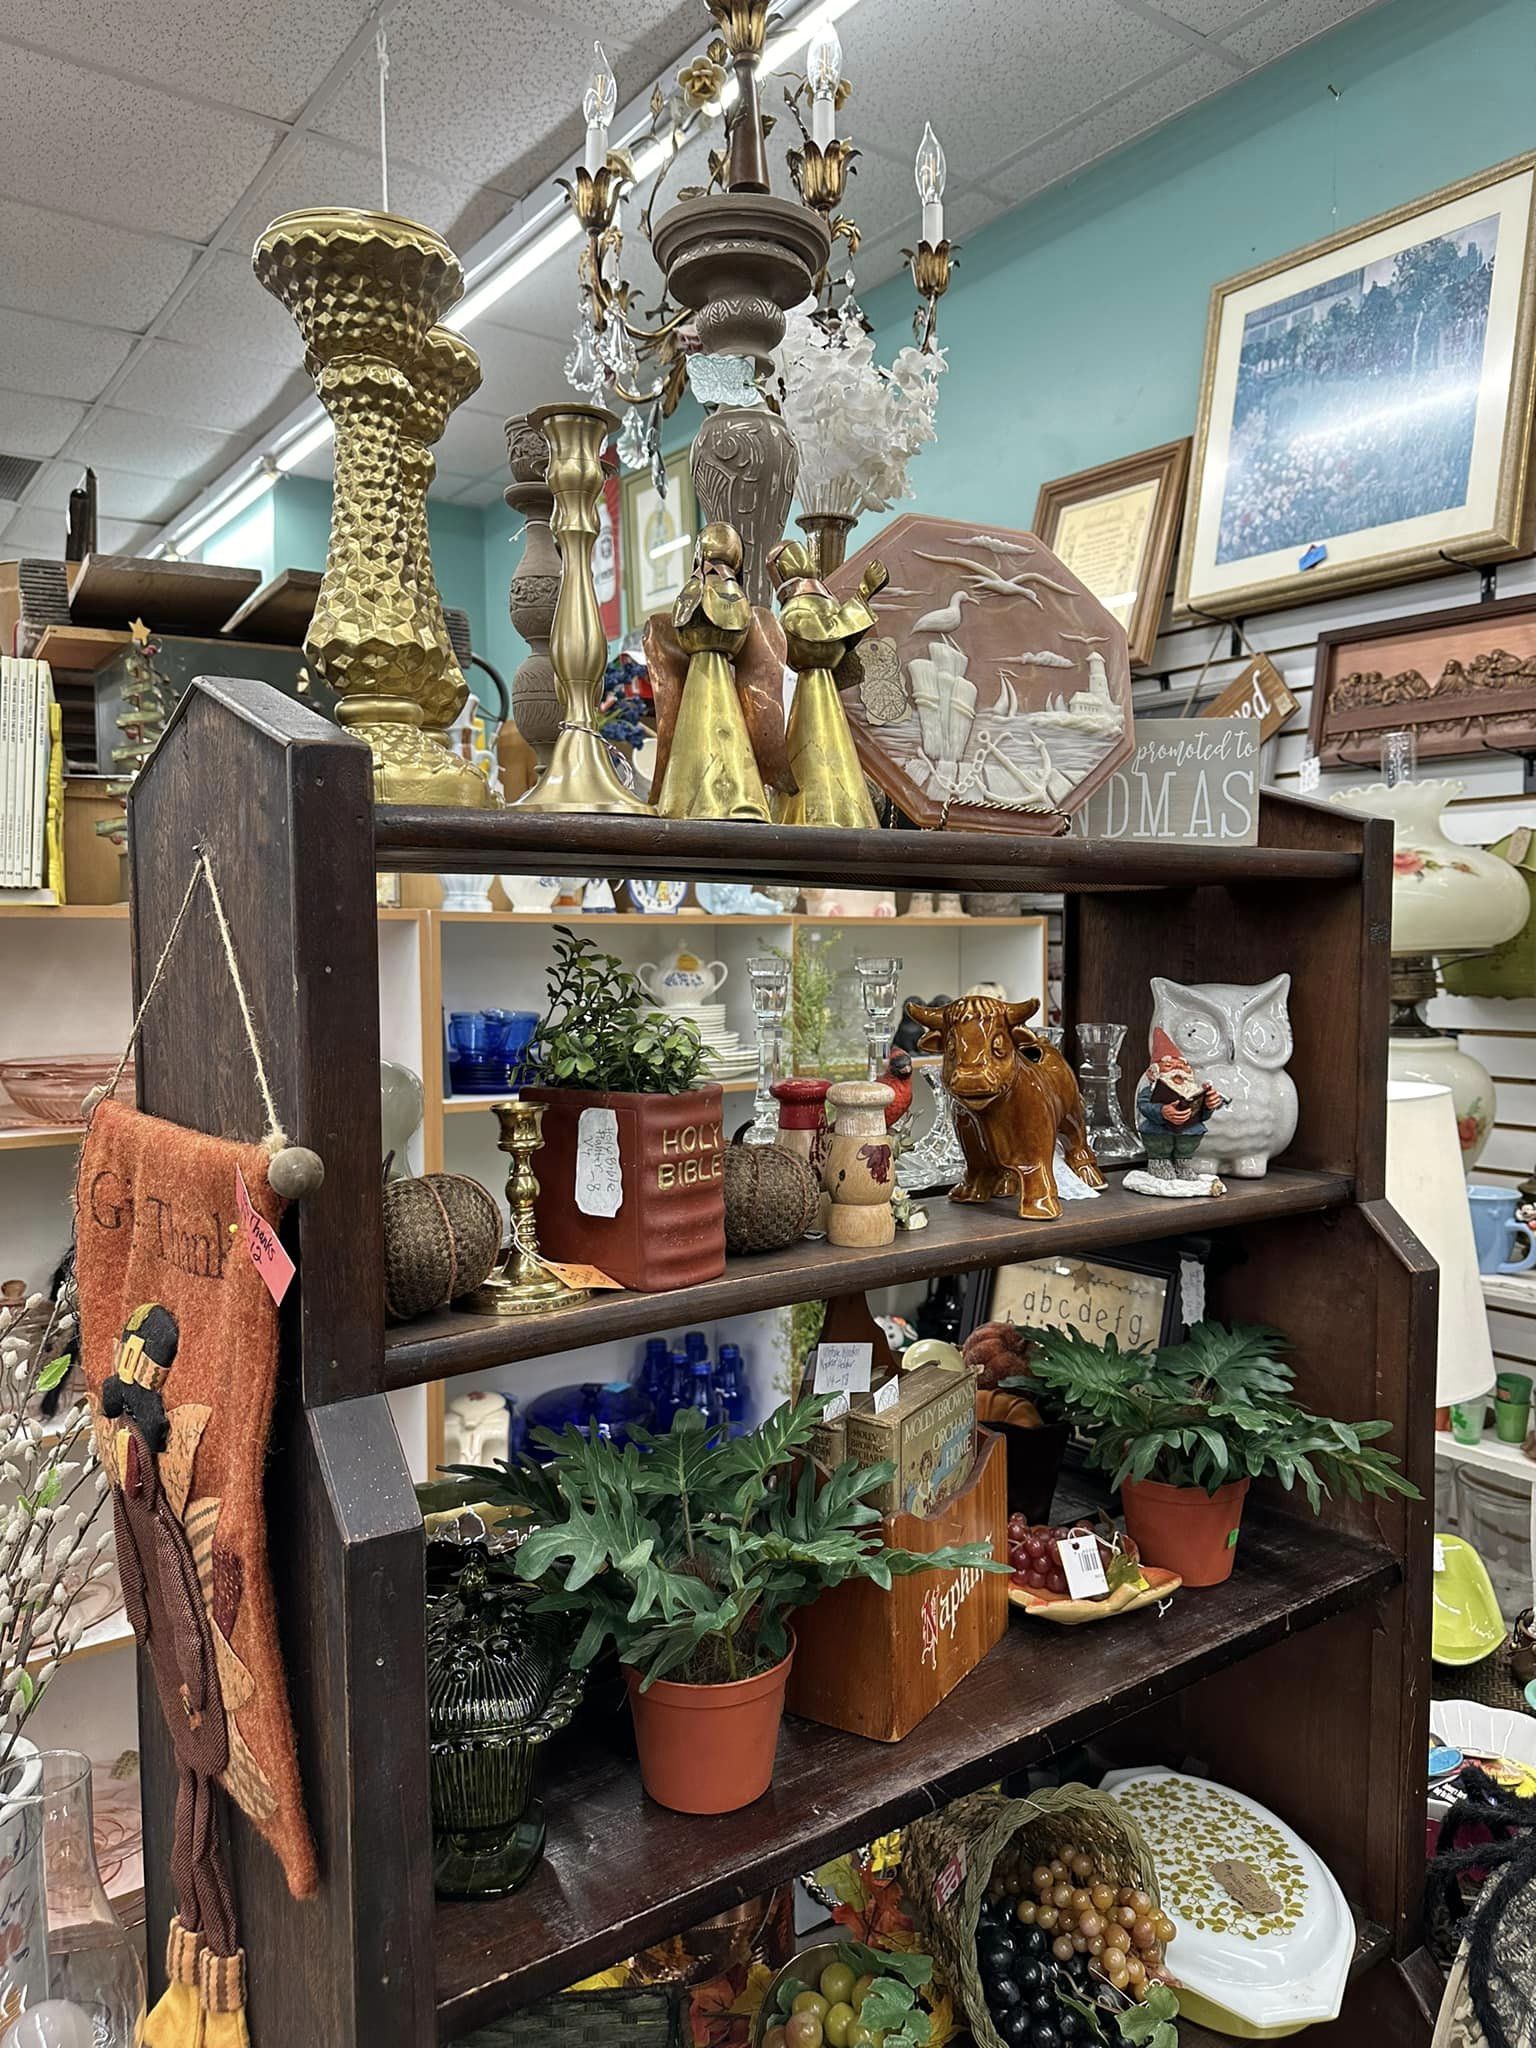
(1013, 1095)
(535, 587)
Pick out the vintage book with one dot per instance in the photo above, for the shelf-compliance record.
(928, 1434)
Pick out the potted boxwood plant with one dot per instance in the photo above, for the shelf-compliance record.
(630, 1171)
(1185, 1428)
(689, 1554)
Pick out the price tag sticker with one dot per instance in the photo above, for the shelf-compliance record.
(843, 1368)
(1439, 1555)
(1083, 1567)
(263, 1244)
(592, 1277)
(1309, 774)
(835, 1409)
(888, 1393)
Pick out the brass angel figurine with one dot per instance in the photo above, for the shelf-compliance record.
(829, 782)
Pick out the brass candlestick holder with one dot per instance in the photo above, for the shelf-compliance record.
(521, 1285)
(364, 289)
(580, 775)
(930, 264)
(445, 373)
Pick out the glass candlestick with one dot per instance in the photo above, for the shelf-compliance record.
(1111, 1138)
(878, 975)
(936, 1160)
(768, 976)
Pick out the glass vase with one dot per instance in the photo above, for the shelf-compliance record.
(90, 1993)
(1111, 1138)
(878, 978)
(768, 977)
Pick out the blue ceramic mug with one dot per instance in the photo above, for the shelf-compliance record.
(1495, 1231)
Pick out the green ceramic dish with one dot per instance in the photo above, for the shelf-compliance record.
(1467, 1624)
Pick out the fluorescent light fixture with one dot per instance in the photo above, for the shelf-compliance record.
(213, 522)
(305, 443)
(522, 263)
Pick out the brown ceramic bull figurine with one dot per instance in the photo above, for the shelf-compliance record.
(1013, 1093)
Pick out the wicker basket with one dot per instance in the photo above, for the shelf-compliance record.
(641, 2017)
(947, 1861)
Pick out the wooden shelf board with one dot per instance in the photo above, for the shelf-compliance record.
(42, 1137)
(456, 1105)
(80, 648)
(514, 842)
(958, 1239)
(619, 1872)
(66, 913)
(637, 920)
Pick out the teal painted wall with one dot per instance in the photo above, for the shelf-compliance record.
(1076, 324)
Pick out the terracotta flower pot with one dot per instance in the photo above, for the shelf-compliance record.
(708, 1748)
(638, 1191)
(1184, 1528)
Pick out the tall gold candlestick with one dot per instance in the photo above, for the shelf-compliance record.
(522, 1285)
(445, 373)
(580, 776)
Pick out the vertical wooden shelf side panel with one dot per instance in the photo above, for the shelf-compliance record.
(282, 802)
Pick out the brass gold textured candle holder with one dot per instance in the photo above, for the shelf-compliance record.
(580, 775)
(521, 1284)
(445, 373)
(365, 290)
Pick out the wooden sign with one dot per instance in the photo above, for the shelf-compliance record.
(1260, 692)
(1191, 781)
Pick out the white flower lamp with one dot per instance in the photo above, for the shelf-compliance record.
(1426, 1187)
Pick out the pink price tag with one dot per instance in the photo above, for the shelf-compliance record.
(262, 1242)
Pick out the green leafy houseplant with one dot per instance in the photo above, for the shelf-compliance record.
(687, 1553)
(1200, 1414)
(601, 1031)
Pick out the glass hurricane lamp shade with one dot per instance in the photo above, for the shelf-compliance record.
(1426, 1187)
(1446, 898)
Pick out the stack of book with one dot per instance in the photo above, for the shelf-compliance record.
(28, 730)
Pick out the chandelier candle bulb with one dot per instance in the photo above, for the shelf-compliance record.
(931, 171)
(598, 104)
(824, 74)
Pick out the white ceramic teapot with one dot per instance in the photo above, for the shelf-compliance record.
(684, 980)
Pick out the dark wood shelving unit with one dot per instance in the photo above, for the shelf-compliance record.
(1304, 1681)
(956, 1240)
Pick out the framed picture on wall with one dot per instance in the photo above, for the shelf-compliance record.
(1135, 1300)
(1116, 528)
(1365, 408)
(657, 539)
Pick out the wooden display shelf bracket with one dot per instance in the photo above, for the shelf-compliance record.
(1226, 1675)
(958, 1239)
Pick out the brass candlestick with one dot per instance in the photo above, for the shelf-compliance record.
(363, 290)
(580, 776)
(521, 1285)
(930, 265)
(445, 373)
(820, 630)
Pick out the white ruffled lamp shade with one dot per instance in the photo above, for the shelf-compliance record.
(1428, 1189)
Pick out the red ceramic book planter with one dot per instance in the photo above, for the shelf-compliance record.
(633, 1184)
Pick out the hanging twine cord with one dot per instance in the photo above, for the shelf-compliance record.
(275, 1138)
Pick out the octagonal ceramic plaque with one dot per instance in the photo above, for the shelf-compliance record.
(995, 692)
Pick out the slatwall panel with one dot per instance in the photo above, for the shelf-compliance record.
(1501, 1034)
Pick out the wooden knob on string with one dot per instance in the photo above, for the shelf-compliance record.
(295, 1171)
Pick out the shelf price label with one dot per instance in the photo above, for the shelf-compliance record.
(263, 1244)
(1082, 1567)
(843, 1368)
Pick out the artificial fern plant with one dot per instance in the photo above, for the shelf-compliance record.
(601, 1031)
(1215, 1408)
(688, 1553)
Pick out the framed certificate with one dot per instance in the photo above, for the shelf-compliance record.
(1116, 528)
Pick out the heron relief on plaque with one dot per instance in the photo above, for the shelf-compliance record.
(995, 691)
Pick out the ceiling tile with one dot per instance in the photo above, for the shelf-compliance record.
(38, 533)
(995, 76)
(227, 310)
(122, 537)
(36, 426)
(318, 171)
(519, 371)
(1210, 17)
(544, 303)
(1097, 134)
(75, 270)
(60, 357)
(476, 90)
(149, 447)
(119, 493)
(204, 387)
(1282, 27)
(206, 47)
(124, 153)
(486, 490)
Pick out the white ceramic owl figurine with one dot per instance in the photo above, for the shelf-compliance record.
(1237, 1036)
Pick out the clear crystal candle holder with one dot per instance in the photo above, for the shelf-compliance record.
(1113, 1141)
(879, 975)
(768, 981)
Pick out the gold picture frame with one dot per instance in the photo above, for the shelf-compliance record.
(1398, 426)
(653, 580)
(1116, 527)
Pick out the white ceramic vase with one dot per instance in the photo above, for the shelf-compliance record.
(1436, 1058)
(1446, 898)
(466, 892)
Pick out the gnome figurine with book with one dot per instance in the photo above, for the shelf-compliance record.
(1173, 1108)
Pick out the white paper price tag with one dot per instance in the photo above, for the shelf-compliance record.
(835, 1409)
(1439, 1555)
(599, 1171)
(887, 1394)
(1083, 1568)
(843, 1368)
(1309, 774)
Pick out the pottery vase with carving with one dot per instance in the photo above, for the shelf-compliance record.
(535, 587)
(744, 470)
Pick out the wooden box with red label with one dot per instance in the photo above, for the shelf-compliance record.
(875, 1663)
